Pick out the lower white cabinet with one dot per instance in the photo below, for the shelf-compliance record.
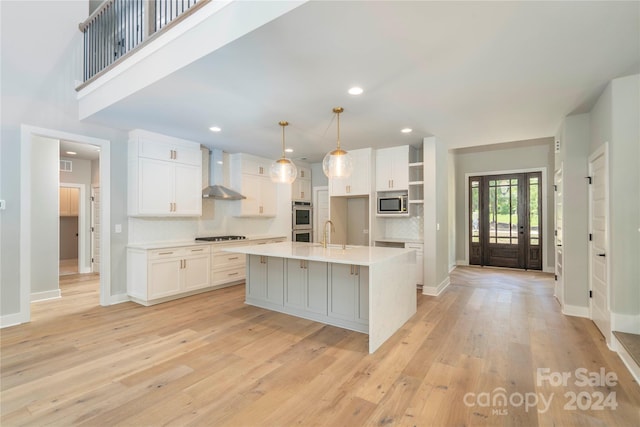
(349, 293)
(336, 294)
(265, 278)
(419, 247)
(158, 275)
(306, 285)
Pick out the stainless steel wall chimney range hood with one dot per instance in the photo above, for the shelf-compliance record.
(213, 165)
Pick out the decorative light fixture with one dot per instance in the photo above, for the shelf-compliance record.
(283, 170)
(337, 163)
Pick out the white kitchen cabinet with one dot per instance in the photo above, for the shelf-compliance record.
(349, 293)
(306, 285)
(359, 183)
(165, 176)
(260, 192)
(158, 275)
(392, 168)
(265, 279)
(419, 247)
(301, 187)
(69, 198)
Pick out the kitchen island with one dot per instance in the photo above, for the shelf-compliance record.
(363, 288)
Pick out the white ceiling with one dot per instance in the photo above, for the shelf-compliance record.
(469, 73)
(83, 151)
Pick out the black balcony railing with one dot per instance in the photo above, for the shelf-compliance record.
(118, 26)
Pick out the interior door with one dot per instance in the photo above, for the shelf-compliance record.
(95, 229)
(505, 220)
(598, 248)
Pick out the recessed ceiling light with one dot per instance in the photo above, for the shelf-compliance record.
(406, 130)
(215, 129)
(73, 153)
(356, 90)
(220, 162)
(289, 150)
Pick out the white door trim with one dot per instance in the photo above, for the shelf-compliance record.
(545, 233)
(25, 211)
(602, 150)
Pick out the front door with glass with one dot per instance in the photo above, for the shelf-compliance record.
(505, 220)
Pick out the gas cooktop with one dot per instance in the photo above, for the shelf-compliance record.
(220, 238)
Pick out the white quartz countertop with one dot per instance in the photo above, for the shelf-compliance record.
(182, 243)
(356, 255)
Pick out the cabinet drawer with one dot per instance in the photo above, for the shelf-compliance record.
(419, 247)
(229, 275)
(178, 252)
(224, 260)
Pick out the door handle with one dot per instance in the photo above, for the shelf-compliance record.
(602, 255)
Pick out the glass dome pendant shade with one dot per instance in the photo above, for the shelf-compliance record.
(337, 163)
(283, 170)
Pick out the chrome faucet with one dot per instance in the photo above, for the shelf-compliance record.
(324, 231)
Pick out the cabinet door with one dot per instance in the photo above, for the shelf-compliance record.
(156, 183)
(188, 191)
(257, 280)
(295, 285)
(268, 198)
(195, 272)
(251, 190)
(64, 201)
(74, 200)
(392, 168)
(339, 186)
(342, 292)
(275, 280)
(361, 177)
(316, 292)
(164, 277)
(305, 190)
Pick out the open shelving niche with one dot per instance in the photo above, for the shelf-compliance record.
(416, 182)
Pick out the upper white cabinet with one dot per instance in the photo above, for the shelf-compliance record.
(301, 187)
(250, 177)
(392, 168)
(165, 176)
(69, 197)
(359, 183)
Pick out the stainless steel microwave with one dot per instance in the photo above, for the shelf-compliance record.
(393, 205)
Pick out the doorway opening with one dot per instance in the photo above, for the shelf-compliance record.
(505, 220)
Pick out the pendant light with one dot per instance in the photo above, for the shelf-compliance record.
(337, 163)
(283, 170)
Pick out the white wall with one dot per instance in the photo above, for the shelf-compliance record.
(436, 213)
(615, 119)
(519, 155)
(41, 61)
(44, 218)
(574, 152)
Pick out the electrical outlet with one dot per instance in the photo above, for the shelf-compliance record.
(118, 228)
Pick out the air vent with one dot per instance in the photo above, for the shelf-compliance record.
(66, 166)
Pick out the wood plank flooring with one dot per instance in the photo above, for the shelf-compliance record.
(211, 360)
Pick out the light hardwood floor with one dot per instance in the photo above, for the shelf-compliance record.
(211, 360)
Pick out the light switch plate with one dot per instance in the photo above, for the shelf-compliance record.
(3, 205)
(118, 228)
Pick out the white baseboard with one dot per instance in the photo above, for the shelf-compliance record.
(42, 296)
(119, 299)
(629, 323)
(576, 311)
(12, 320)
(626, 358)
(462, 262)
(452, 267)
(434, 291)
